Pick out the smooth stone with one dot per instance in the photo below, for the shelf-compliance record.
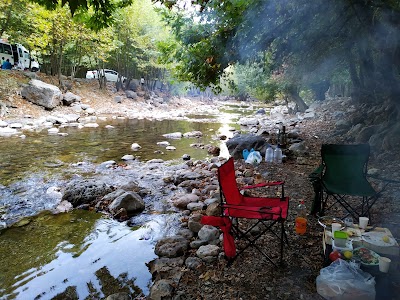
(91, 125)
(135, 146)
(207, 250)
(174, 135)
(53, 130)
(15, 125)
(128, 157)
(163, 143)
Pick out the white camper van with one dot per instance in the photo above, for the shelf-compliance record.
(18, 55)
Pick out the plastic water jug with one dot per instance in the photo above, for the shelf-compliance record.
(278, 155)
(269, 155)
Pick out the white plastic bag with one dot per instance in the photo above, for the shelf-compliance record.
(345, 281)
(254, 158)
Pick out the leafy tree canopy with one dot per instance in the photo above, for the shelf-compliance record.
(100, 11)
(307, 40)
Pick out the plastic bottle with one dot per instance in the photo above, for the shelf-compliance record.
(269, 154)
(301, 219)
(278, 155)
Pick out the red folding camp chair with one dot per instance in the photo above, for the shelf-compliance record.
(247, 212)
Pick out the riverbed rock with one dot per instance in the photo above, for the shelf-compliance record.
(128, 157)
(214, 209)
(135, 146)
(166, 268)
(208, 233)
(193, 134)
(182, 201)
(7, 131)
(186, 157)
(64, 206)
(130, 201)
(91, 125)
(194, 223)
(15, 125)
(56, 119)
(53, 130)
(213, 150)
(298, 148)
(195, 206)
(246, 121)
(54, 192)
(207, 250)
(196, 244)
(70, 98)
(186, 233)
(85, 191)
(131, 94)
(173, 135)
(163, 143)
(193, 263)
(119, 296)
(41, 93)
(184, 175)
(161, 289)
(90, 111)
(171, 246)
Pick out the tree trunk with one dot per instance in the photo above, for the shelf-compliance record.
(355, 94)
(60, 62)
(293, 95)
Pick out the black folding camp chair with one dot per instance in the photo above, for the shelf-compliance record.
(342, 179)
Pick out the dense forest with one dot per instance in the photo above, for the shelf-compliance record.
(268, 49)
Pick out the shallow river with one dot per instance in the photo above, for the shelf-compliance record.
(44, 254)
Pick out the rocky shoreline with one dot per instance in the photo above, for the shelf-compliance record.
(191, 264)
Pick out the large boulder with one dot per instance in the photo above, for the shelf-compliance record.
(237, 144)
(70, 98)
(134, 85)
(131, 94)
(85, 191)
(130, 201)
(43, 94)
(171, 247)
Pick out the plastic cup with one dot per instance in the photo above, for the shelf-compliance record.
(384, 264)
(363, 222)
(348, 221)
(336, 227)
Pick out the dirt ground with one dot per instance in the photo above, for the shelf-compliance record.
(251, 276)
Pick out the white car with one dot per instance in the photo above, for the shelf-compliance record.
(110, 75)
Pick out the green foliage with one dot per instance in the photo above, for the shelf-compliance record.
(312, 42)
(100, 12)
(69, 43)
(254, 78)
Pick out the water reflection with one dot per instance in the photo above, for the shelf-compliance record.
(75, 250)
(39, 151)
(54, 252)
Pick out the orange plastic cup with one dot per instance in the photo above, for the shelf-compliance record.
(301, 225)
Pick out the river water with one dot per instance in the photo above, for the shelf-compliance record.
(44, 254)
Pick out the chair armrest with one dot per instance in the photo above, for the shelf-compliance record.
(262, 184)
(274, 210)
(316, 174)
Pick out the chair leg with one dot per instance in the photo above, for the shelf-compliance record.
(283, 233)
(252, 241)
